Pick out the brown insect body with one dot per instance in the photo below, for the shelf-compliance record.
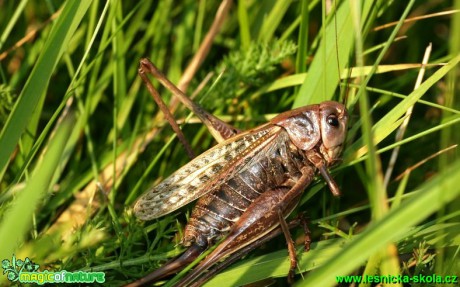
(246, 183)
(276, 160)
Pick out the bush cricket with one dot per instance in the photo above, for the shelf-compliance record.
(246, 185)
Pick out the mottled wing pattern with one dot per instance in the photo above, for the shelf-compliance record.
(278, 143)
(204, 173)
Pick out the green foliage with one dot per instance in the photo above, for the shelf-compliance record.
(248, 69)
(6, 102)
(83, 138)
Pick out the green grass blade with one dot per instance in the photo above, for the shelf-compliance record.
(36, 85)
(7, 30)
(312, 90)
(272, 20)
(244, 25)
(391, 228)
(381, 128)
(303, 38)
(17, 219)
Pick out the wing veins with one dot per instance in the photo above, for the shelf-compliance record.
(186, 185)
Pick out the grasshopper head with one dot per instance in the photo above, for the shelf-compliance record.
(334, 120)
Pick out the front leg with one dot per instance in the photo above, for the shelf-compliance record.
(317, 160)
(290, 245)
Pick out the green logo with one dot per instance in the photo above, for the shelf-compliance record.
(26, 271)
(16, 266)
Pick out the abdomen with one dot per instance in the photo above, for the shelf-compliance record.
(217, 211)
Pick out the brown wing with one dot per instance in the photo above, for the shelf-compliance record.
(204, 173)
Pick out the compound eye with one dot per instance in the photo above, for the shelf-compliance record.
(332, 120)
